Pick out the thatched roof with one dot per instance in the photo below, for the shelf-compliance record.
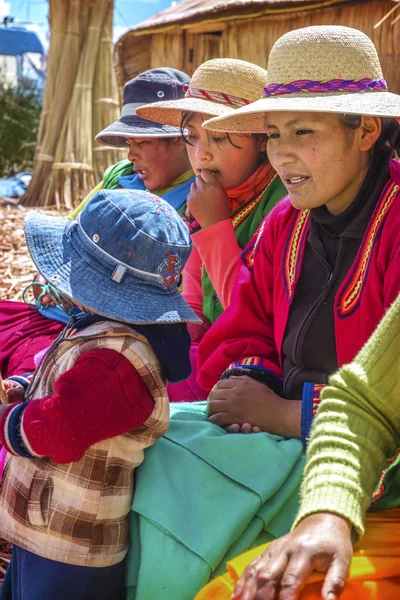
(189, 11)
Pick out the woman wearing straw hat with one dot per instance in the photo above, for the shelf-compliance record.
(324, 266)
(235, 185)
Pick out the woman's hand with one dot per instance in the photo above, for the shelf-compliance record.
(240, 401)
(207, 200)
(321, 542)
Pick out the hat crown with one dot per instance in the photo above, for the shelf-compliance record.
(137, 230)
(323, 53)
(155, 85)
(231, 77)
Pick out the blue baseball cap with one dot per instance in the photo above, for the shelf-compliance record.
(151, 86)
(121, 258)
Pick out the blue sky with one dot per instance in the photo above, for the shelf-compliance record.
(126, 12)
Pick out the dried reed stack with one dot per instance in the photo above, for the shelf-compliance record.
(106, 107)
(64, 171)
(58, 19)
(63, 64)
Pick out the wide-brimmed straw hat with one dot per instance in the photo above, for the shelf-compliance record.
(324, 68)
(150, 86)
(218, 86)
(121, 258)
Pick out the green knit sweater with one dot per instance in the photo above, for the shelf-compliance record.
(357, 428)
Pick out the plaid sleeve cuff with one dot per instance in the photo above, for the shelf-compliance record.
(11, 434)
(310, 402)
(23, 380)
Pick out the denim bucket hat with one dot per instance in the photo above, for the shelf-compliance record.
(150, 86)
(121, 258)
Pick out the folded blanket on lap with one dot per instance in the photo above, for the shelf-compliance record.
(203, 496)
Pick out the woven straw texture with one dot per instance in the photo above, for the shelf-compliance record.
(239, 80)
(319, 53)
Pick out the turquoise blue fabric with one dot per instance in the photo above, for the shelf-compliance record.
(175, 197)
(203, 496)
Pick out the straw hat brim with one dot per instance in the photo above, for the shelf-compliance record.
(251, 118)
(170, 111)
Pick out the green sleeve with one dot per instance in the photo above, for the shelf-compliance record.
(78, 209)
(357, 428)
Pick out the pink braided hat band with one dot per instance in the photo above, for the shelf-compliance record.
(233, 101)
(333, 85)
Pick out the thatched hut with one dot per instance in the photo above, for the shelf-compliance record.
(192, 31)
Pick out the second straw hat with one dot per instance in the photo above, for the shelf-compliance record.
(325, 68)
(217, 87)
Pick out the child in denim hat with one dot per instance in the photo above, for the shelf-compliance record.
(98, 398)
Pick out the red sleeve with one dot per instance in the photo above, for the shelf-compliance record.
(220, 254)
(246, 328)
(102, 396)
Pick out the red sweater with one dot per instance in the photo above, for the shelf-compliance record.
(100, 397)
(251, 329)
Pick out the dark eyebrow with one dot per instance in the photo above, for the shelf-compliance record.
(294, 122)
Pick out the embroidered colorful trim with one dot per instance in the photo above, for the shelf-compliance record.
(352, 287)
(249, 361)
(249, 254)
(233, 101)
(318, 387)
(332, 85)
(294, 251)
(244, 212)
(381, 487)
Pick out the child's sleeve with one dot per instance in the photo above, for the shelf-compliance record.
(101, 397)
(220, 252)
(193, 294)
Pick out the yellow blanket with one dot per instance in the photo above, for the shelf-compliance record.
(374, 572)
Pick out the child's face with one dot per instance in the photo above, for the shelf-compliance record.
(232, 159)
(157, 161)
(319, 161)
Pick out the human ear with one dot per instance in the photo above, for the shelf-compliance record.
(370, 131)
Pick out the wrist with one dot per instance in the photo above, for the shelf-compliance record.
(291, 418)
(209, 221)
(327, 520)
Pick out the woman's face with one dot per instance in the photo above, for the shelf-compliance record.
(319, 160)
(232, 159)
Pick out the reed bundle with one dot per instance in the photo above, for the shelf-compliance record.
(64, 164)
(106, 107)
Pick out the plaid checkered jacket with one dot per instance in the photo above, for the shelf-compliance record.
(77, 513)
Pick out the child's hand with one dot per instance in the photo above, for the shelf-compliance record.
(207, 201)
(248, 403)
(15, 392)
